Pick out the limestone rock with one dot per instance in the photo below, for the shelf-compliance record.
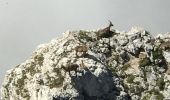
(120, 66)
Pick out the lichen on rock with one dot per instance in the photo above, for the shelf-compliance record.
(87, 65)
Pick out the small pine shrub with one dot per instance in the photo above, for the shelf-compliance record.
(20, 88)
(39, 59)
(160, 83)
(157, 54)
(125, 66)
(54, 82)
(113, 70)
(32, 69)
(158, 94)
(126, 88)
(147, 96)
(144, 62)
(84, 36)
(130, 78)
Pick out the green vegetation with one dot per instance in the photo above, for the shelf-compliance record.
(8, 84)
(17, 91)
(136, 89)
(145, 77)
(116, 57)
(39, 59)
(57, 70)
(20, 82)
(125, 86)
(84, 36)
(139, 89)
(113, 70)
(160, 83)
(125, 66)
(20, 90)
(25, 94)
(158, 94)
(144, 74)
(20, 87)
(32, 69)
(54, 82)
(41, 82)
(144, 62)
(157, 54)
(132, 89)
(147, 97)
(130, 78)
(112, 66)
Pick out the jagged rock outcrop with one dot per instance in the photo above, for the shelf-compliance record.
(82, 66)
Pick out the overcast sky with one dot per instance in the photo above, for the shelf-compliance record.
(26, 23)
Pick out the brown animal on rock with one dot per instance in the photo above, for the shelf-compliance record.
(105, 32)
(70, 67)
(82, 49)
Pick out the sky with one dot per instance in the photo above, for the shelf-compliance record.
(24, 24)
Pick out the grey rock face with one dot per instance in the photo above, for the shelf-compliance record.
(82, 66)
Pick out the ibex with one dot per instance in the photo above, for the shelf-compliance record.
(70, 67)
(105, 32)
(81, 48)
(107, 29)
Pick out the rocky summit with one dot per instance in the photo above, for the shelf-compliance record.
(103, 64)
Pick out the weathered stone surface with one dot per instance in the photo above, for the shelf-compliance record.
(122, 66)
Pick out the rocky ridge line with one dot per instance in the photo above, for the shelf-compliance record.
(94, 65)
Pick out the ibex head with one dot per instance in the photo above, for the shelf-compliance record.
(110, 23)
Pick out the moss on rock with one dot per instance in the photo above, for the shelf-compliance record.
(83, 36)
(144, 62)
(160, 83)
(126, 66)
(130, 78)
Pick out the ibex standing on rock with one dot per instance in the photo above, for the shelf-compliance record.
(81, 48)
(107, 29)
(105, 32)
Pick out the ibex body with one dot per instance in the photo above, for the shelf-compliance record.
(106, 31)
